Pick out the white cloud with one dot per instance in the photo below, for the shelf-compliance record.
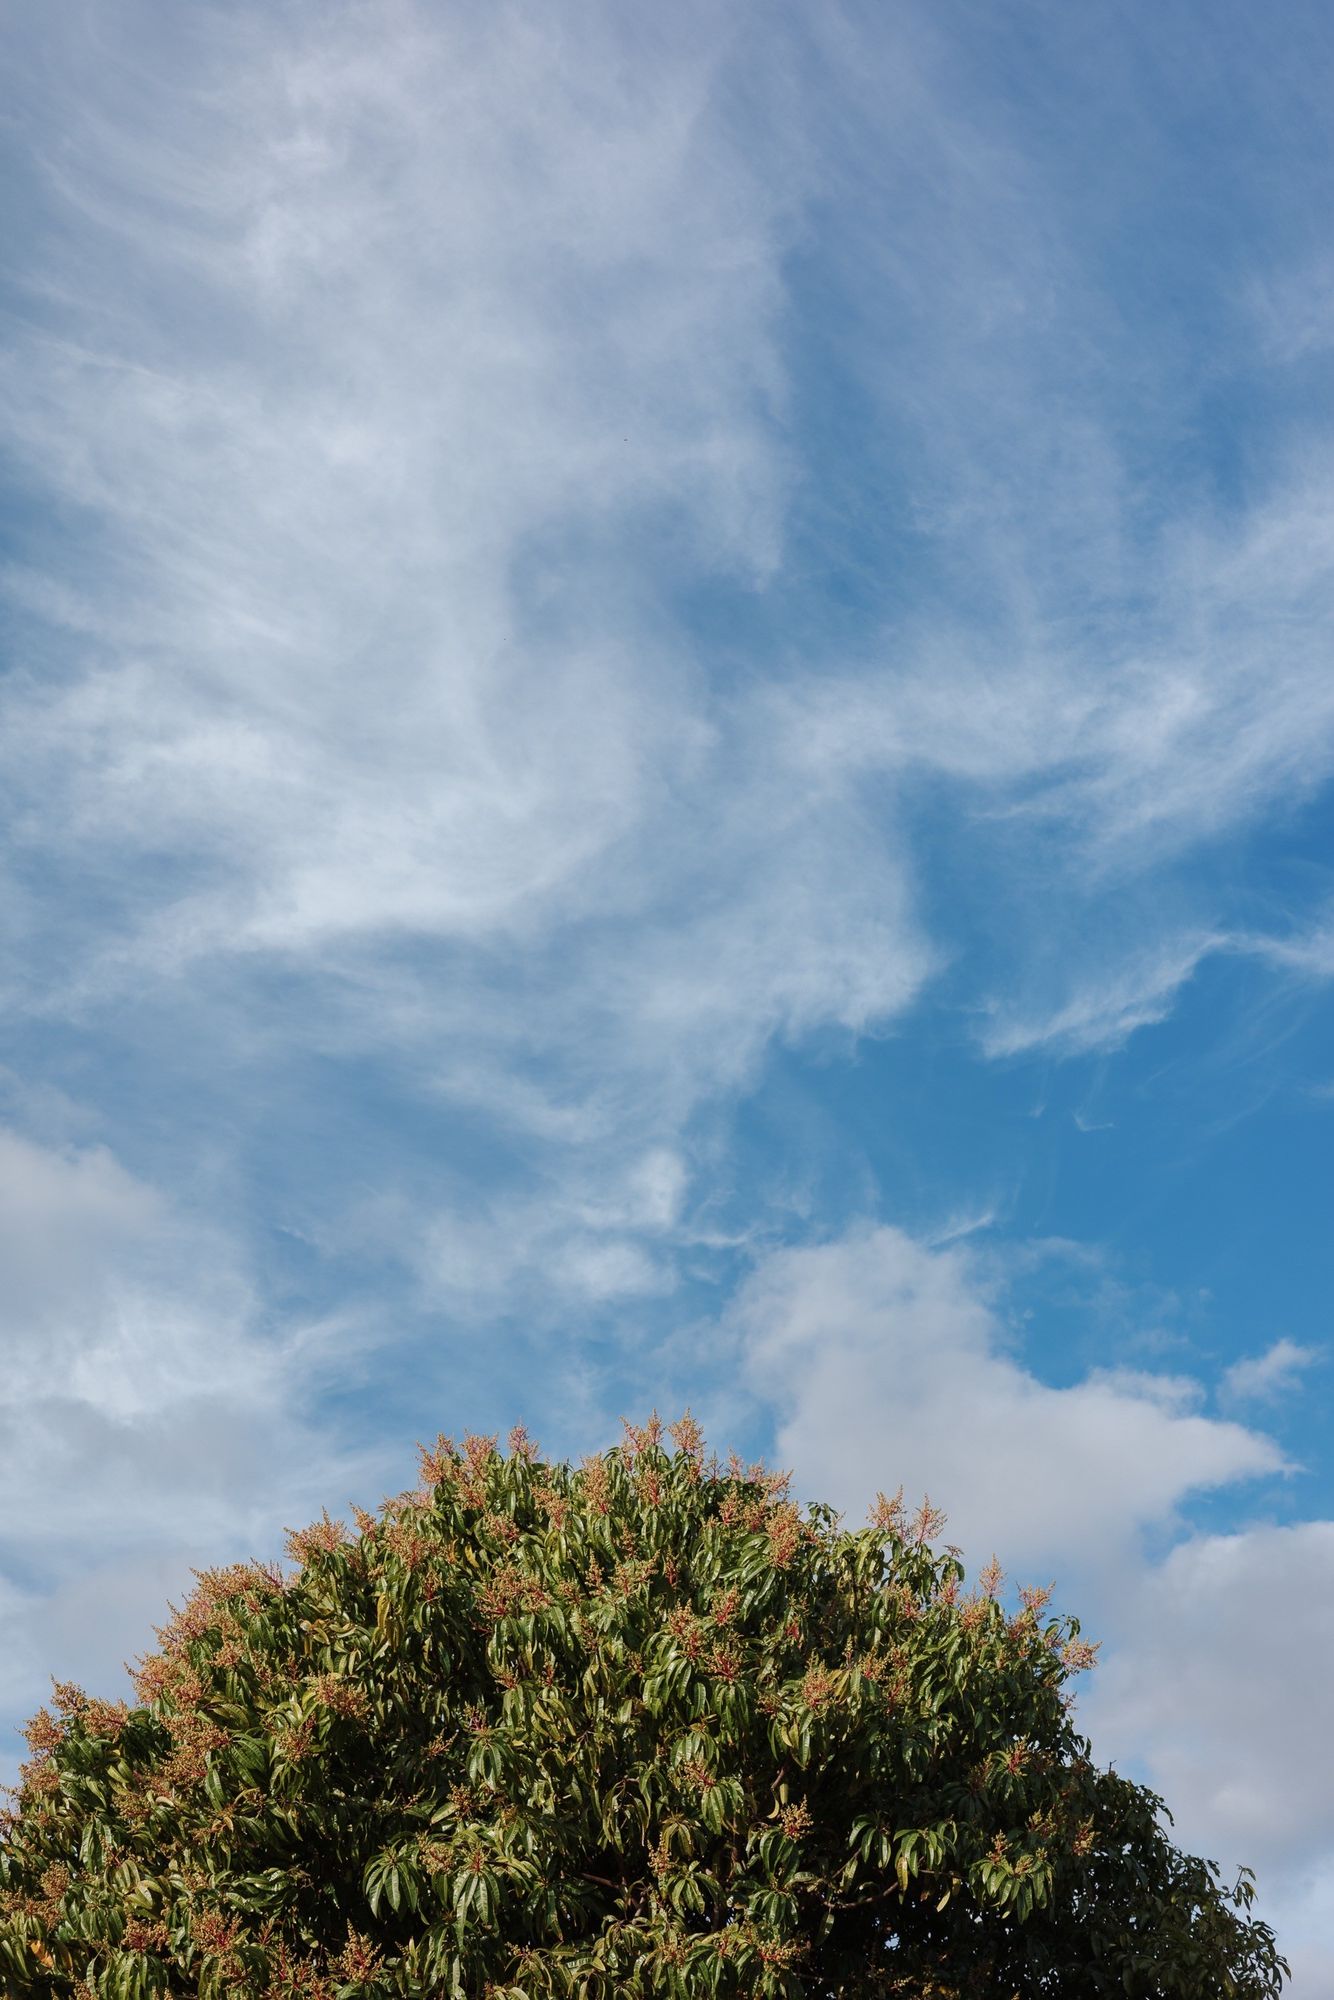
(60, 1215)
(1220, 1680)
(141, 1398)
(1218, 1684)
(1309, 951)
(568, 1243)
(146, 1421)
(418, 353)
(403, 362)
(885, 1362)
(394, 374)
(533, 1249)
(401, 368)
(1104, 1010)
(1263, 1378)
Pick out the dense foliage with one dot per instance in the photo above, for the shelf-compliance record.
(641, 1728)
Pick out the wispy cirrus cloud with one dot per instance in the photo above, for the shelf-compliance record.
(392, 426)
(396, 429)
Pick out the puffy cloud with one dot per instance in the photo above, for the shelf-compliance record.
(1218, 1685)
(885, 1361)
(1219, 1680)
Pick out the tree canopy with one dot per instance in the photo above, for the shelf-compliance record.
(641, 1727)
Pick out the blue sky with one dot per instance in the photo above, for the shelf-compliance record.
(668, 731)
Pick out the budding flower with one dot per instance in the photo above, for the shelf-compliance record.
(1077, 1655)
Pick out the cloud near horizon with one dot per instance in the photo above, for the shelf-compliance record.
(889, 1360)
